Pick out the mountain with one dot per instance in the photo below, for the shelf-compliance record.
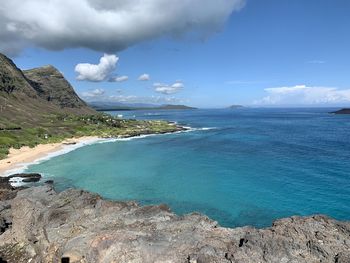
(102, 105)
(342, 111)
(26, 96)
(118, 106)
(176, 107)
(12, 80)
(51, 85)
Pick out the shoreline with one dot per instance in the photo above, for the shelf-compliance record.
(18, 159)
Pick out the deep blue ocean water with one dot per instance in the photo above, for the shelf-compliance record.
(252, 167)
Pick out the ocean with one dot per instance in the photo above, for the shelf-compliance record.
(239, 167)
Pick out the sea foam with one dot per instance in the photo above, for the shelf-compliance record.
(21, 167)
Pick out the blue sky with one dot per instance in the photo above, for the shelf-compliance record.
(267, 53)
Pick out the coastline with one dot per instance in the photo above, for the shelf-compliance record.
(18, 159)
(153, 232)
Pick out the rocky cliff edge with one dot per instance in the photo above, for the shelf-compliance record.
(41, 225)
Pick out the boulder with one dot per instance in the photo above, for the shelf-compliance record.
(26, 177)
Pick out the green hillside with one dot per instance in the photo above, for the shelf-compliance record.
(40, 106)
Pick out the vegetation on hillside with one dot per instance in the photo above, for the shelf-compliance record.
(40, 106)
(57, 127)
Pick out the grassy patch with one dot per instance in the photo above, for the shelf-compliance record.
(56, 128)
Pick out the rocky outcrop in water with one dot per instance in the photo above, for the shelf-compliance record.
(40, 225)
(342, 111)
(8, 191)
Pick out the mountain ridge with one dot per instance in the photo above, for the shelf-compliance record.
(51, 85)
(12, 79)
(25, 96)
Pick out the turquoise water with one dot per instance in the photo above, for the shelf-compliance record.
(252, 167)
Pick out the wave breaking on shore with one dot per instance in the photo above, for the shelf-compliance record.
(67, 148)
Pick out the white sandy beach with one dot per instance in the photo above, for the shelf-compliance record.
(18, 158)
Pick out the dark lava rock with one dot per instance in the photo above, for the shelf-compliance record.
(342, 257)
(41, 225)
(6, 194)
(35, 178)
(49, 182)
(7, 191)
(69, 143)
(27, 177)
(4, 180)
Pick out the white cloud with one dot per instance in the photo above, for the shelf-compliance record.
(94, 93)
(304, 95)
(144, 77)
(316, 62)
(168, 89)
(145, 99)
(99, 72)
(118, 79)
(107, 26)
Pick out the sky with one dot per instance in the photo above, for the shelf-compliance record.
(201, 53)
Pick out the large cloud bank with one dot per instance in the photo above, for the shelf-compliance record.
(305, 95)
(107, 26)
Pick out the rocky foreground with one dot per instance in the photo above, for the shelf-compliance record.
(41, 225)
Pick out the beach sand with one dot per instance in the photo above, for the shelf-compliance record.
(17, 158)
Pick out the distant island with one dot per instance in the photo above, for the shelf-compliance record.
(232, 107)
(105, 106)
(342, 111)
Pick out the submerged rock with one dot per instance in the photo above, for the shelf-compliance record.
(49, 182)
(40, 225)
